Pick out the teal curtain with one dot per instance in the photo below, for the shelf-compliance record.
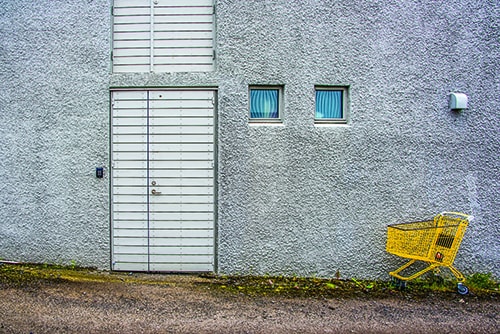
(329, 104)
(264, 103)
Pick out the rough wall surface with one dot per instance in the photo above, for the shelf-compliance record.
(303, 199)
(293, 198)
(54, 128)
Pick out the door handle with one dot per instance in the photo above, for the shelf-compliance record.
(154, 192)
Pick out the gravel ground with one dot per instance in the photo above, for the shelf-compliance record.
(191, 304)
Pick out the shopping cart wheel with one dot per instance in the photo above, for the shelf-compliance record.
(400, 284)
(462, 289)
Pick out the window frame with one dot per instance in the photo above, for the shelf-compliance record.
(345, 95)
(280, 90)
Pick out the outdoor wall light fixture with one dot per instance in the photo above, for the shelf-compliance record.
(458, 101)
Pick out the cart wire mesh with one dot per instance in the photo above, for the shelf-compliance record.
(435, 242)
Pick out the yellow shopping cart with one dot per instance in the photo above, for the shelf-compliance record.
(434, 242)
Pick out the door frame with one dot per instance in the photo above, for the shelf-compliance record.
(214, 89)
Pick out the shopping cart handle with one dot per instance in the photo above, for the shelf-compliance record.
(459, 214)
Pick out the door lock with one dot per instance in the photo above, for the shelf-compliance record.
(153, 183)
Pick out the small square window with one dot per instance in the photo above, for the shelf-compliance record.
(330, 105)
(265, 104)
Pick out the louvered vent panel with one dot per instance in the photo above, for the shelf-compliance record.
(163, 36)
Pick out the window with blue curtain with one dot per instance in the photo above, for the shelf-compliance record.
(264, 103)
(330, 105)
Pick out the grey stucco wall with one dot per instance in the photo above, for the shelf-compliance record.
(300, 199)
(294, 198)
(54, 128)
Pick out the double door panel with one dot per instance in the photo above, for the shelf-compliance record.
(163, 180)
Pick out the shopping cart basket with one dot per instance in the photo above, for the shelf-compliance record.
(434, 242)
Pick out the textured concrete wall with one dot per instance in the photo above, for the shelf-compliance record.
(54, 106)
(300, 199)
(294, 198)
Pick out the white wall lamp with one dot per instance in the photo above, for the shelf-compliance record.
(458, 101)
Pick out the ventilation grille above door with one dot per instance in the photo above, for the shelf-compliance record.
(163, 36)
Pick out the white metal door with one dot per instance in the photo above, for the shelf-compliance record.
(163, 180)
